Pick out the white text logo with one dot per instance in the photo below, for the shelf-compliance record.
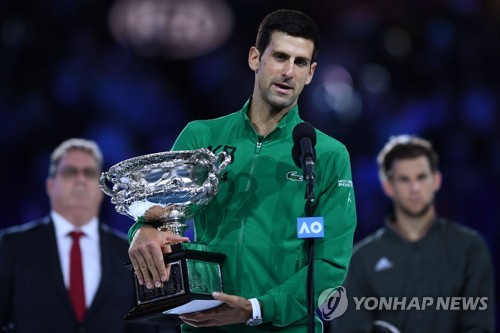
(333, 303)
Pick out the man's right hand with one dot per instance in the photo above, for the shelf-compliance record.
(146, 253)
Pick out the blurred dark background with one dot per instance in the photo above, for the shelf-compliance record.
(131, 73)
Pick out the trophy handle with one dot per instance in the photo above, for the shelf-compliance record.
(104, 186)
(224, 158)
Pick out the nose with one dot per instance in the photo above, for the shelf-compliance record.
(81, 176)
(415, 186)
(288, 69)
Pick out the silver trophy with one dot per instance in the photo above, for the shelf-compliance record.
(166, 189)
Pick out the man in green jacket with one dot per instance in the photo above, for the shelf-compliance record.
(253, 217)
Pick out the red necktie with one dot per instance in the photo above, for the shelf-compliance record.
(76, 287)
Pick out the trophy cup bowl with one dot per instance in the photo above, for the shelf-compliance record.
(166, 189)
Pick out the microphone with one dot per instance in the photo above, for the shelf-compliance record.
(304, 156)
(303, 152)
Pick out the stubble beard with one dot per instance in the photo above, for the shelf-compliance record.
(418, 214)
(277, 103)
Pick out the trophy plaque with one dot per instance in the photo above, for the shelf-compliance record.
(167, 189)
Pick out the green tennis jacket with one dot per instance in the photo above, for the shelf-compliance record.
(253, 217)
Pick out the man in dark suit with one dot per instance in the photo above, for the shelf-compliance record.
(52, 282)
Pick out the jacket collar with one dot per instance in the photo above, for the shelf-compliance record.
(284, 128)
(395, 230)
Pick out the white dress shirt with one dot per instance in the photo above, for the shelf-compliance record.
(91, 254)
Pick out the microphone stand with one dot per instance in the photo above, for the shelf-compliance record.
(310, 250)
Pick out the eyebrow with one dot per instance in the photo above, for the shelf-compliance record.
(307, 60)
(418, 176)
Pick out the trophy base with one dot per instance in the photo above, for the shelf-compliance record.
(194, 275)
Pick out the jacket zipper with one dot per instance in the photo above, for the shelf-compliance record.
(258, 147)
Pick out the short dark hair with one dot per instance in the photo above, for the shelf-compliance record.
(405, 147)
(291, 22)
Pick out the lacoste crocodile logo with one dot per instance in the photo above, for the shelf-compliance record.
(292, 175)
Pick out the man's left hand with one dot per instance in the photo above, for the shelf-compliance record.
(235, 310)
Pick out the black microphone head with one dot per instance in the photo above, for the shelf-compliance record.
(302, 130)
(296, 155)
